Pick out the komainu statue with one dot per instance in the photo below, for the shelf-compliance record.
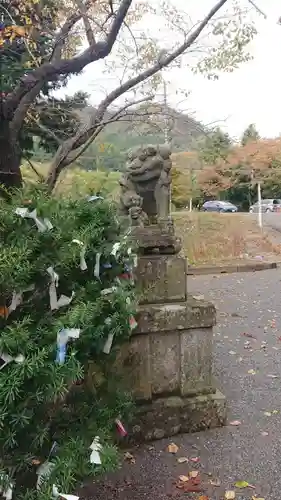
(145, 186)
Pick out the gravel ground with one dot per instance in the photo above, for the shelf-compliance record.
(247, 304)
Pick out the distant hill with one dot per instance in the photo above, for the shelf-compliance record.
(147, 125)
(143, 125)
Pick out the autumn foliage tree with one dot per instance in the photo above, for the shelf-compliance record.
(80, 32)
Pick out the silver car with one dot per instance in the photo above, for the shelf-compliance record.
(271, 205)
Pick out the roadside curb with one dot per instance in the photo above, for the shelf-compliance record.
(230, 269)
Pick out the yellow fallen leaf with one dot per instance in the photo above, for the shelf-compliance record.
(252, 372)
(128, 456)
(182, 460)
(241, 484)
(184, 479)
(275, 412)
(194, 473)
(173, 448)
(229, 495)
(267, 413)
(257, 498)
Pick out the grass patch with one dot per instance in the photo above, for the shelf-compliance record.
(223, 238)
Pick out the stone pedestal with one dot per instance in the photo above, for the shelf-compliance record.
(169, 358)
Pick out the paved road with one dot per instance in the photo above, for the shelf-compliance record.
(272, 220)
(247, 303)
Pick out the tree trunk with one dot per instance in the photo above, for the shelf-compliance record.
(10, 174)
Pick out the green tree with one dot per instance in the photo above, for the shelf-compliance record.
(58, 385)
(215, 146)
(250, 134)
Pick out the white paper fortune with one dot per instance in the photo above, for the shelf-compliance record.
(97, 266)
(42, 224)
(43, 472)
(63, 337)
(115, 248)
(56, 303)
(96, 448)
(53, 288)
(83, 263)
(8, 359)
(57, 494)
(64, 300)
(108, 343)
(7, 492)
(95, 197)
(17, 298)
(107, 291)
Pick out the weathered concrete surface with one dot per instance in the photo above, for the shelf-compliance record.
(171, 415)
(168, 361)
(160, 278)
(179, 316)
(178, 362)
(157, 239)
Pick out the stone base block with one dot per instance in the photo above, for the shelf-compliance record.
(165, 417)
(157, 238)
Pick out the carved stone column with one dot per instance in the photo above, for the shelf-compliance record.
(169, 359)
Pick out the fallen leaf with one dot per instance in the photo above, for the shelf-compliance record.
(229, 495)
(252, 372)
(195, 460)
(191, 486)
(235, 422)
(215, 482)
(272, 376)
(267, 413)
(249, 335)
(194, 473)
(241, 484)
(173, 448)
(128, 456)
(279, 338)
(257, 498)
(264, 433)
(203, 497)
(275, 412)
(232, 352)
(184, 479)
(182, 460)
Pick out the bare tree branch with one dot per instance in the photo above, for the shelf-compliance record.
(86, 131)
(66, 28)
(46, 130)
(49, 71)
(89, 32)
(40, 176)
(62, 160)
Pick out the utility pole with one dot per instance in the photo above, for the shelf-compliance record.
(166, 122)
(259, 203)
(166, 135)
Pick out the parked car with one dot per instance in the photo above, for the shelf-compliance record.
(271, 205)
(219, 206)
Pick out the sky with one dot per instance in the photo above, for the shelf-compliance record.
(251, 94)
